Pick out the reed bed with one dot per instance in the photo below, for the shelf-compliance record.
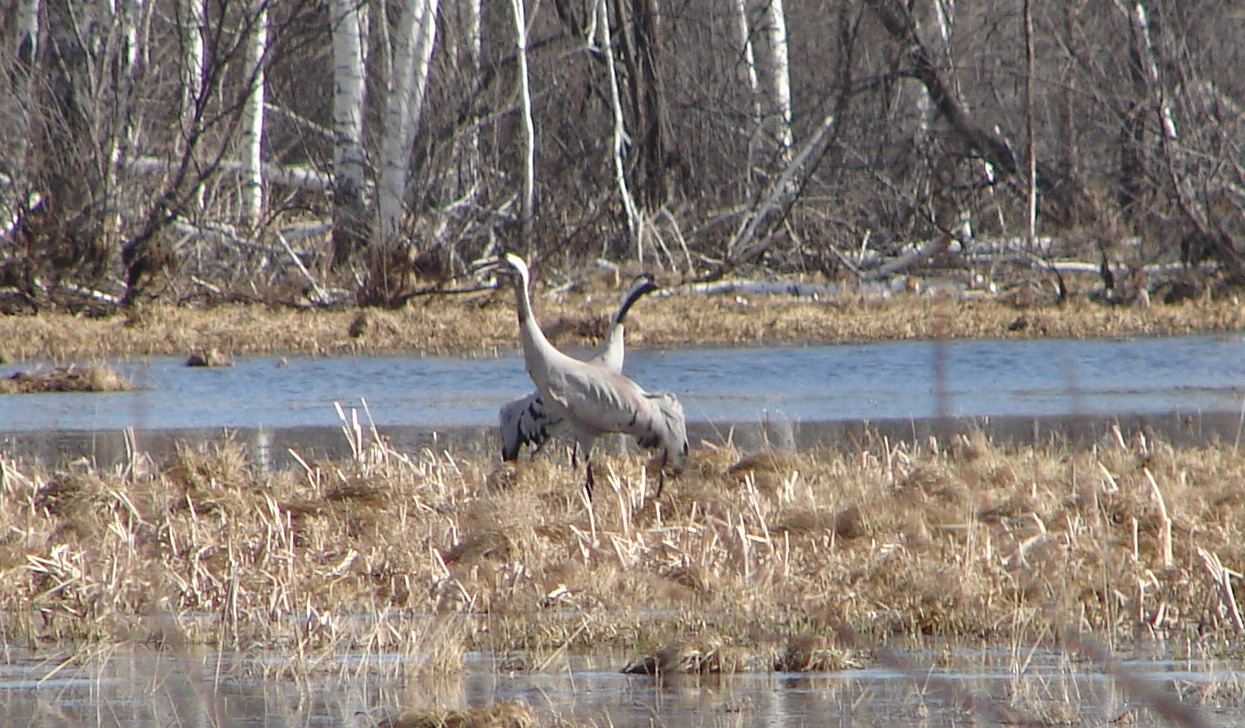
(97, 377)
(482, 323)
(748, 561)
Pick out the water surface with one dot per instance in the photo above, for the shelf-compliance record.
(899, 380)
(1184, 388)
(140, 687)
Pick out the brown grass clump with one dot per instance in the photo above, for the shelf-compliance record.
(72, 378)
(507, 714)
(211, 357)
(434, 554)
(483, 323)
(815, 653)
(706, 655)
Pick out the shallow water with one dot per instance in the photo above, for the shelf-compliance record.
(1185, 388)
(900, 380)
(143, 687)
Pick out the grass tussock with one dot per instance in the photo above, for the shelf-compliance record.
(483, 323)
(71, 378)
(508, 714)
(435, 554)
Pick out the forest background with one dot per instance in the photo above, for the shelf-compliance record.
(321, 151)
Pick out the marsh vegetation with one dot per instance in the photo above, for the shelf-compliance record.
(756, 556)
(483, 323)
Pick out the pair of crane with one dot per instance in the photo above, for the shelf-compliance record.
(586, 399)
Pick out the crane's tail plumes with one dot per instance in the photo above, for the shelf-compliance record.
(525, 421)
(671, 431)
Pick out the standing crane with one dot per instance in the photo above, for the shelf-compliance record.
(527, 421)
(591, 399)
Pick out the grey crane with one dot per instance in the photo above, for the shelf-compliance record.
(527, 421)
(592, 399)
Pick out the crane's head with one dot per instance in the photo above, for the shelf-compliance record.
(509, 265)
(512, 265)
(643, 283)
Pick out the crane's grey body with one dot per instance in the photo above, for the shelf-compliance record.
(528, 421)
(591, 399)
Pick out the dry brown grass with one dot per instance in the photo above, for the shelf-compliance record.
(441, 553)
(72, 378)
(483, 323)
(501, 715)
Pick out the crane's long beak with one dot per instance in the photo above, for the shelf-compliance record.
(487, 266)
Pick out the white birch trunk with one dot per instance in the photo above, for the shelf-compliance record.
(253, 117)
(26, 53)
(779, 75)
(194, 58)
(464, 167)
(413, 42)
(131, 18)
(634, 220)
(1139, 18)
(749, 79)
(525, 110)
(349, 184)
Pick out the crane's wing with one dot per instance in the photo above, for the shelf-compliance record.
(525, 421)
(670, 434)
(597, 401)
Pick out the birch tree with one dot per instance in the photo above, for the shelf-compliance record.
(749, 77)
(525, 112)
(130, 25)
(26, 53)
(349, 185)
(413, 41)
(635, 221)
(193, 23)
(778, 77)
(462, 184)
(252, 140)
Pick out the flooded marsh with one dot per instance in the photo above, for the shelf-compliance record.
(413, 564)
(1074, 565)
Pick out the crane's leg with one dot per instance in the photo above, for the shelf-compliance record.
(589, 482)
(661, 475)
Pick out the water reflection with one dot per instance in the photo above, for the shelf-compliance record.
(137, 686)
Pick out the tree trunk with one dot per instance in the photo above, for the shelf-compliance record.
(751, 82)
(991, 145)
(193, 24)
(252, 139)
(635, 221)
(529, 130)
(132, 19)
(414, 37)
(26, 55)
(62, 232)
(641, 34)
(413, 42)
(778, 78)
(349, 184)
